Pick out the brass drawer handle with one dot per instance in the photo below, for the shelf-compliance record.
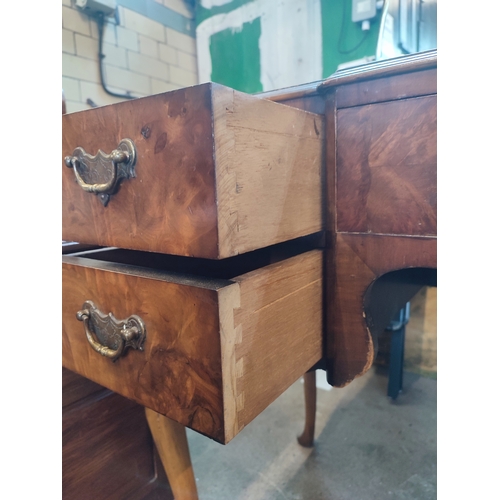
(102, 174)
(113, 336)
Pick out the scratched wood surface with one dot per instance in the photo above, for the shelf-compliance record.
(217, 352)
(218, 173)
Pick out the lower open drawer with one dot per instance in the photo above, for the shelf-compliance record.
(210, 345)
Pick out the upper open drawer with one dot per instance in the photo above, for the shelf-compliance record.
(204, 171)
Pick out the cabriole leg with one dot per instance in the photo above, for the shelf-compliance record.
(171, 442)
(307, 437)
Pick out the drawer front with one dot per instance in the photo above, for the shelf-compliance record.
(216, 173)
(216, 352)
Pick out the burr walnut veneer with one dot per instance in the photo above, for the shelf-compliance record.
(381, 192)
(217, 173)
(196, 175)
(219, 232)
(219, 347)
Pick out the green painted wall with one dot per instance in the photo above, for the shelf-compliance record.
(202, 13)
(236, 57)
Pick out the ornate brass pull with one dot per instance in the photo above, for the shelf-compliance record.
(102, 174)
(113, 336)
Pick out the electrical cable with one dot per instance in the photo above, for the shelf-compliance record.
(100, 29)
(342, 30)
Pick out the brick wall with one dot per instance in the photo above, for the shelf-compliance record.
(150, 50)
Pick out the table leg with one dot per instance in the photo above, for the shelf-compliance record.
(307, 437)
(171, 442)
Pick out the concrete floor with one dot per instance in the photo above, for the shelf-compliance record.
(367, 447)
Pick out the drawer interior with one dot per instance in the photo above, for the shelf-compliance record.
(218, 272)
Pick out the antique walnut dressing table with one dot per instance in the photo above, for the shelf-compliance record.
(215, 210)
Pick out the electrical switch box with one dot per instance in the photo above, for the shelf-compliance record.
(93, 7)
(363, 10)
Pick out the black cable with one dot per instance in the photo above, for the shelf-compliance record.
(342, 29)
(100, 29)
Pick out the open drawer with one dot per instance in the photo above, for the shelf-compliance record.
(204, 171)
(210, 345)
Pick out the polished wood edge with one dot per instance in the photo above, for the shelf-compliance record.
(387, 67)
(73, 247)
(303, 90)
(392, 235)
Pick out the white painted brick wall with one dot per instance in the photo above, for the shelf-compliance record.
(71, 88)
(114, 56)
(80, 68)
(108, 32)
(127, 39)
(148, 46)
(187, 62)
(182, 77)
(68, 41)
(142, 56)
(86, 47)
(141, 24)
(145, 65)
(168, 54)
(181, 41)
(128, 80)
(159, 86)
(178, 6)
(74, 20)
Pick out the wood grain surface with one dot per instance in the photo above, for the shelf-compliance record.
(215, 355)
(170, 206)
(268, 172)
(412, 63)
(281, 325)
(359, 260)
(172, 445)
(306, 439)
(380, 177)
(107, 448)
(390, 88)
(386, 167)
(218, 173)
(75, 387)
(380, 166)
(179, 372)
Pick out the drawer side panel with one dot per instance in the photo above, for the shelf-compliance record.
(280, 324)
(268, 172)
